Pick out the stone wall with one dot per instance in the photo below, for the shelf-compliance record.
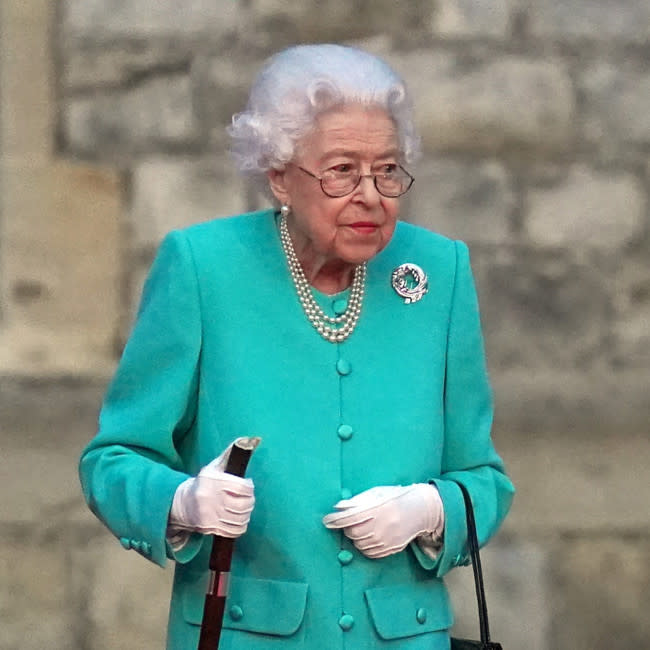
(534, 116)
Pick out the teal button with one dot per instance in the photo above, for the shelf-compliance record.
(346, 493)
(346, 622)
(343, 367)
(345, 432)
(345, 557)
(421, 615)
(236, 613)
(339, 306)
(125, 542)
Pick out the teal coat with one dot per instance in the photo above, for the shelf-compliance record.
(221, 349)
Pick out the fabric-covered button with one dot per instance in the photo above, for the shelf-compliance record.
(345, 431)
(126, 542)
(345, 557)
(346, 493)
(343, 367)
(339, 306)
(421, 615)
(346, 622)
(236, 613)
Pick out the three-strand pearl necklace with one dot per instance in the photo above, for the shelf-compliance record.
(333, 329)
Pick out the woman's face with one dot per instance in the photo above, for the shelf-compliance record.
(344, 231)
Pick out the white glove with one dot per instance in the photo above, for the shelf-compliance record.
(213, 503)
(383, 520)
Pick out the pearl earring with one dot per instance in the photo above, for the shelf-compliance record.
(285, 210)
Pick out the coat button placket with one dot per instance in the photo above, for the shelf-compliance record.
(345, 432)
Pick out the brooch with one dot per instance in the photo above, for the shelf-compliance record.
(410, 282)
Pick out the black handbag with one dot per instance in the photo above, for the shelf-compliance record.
(472, 541)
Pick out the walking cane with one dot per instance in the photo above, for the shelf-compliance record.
(221, 557)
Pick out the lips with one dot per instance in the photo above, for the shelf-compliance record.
(364, 227)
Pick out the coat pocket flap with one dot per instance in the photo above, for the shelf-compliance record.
(407, 610)
(263, 606)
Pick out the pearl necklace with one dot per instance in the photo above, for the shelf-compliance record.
(333, 329)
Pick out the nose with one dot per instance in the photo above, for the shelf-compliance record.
(367, 191)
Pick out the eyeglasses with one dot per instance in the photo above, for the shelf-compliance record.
(343, 180)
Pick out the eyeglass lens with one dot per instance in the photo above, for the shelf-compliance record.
(392, 184)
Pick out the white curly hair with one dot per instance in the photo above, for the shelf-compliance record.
(301, 82)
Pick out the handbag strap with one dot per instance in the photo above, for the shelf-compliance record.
(472, 541)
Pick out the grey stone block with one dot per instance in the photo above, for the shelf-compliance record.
(93, 65)
(145, 18)
(605, 582)
(34, 596)
(586, 208)
(44, 482)
(174, 192)
(632, 337)
(156, 114)
(616, 99)
(40, 413)
(472, 18)
(221, 90)
(541, 309)
(600, 402)
(272, 24)
(60, 241)
(627, 20)
(578, 481)
(122, 599)
(44, 426)
(490, 106)
(471, 201)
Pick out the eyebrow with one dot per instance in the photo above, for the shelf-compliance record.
(389, 153)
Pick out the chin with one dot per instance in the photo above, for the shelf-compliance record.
(361, 255)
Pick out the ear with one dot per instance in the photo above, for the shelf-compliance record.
(278, 185)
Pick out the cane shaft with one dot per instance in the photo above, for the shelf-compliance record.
(221, 559)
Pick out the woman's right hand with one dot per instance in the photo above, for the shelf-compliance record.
(214, 502)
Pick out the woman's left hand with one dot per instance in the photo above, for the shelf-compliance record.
(384, 520)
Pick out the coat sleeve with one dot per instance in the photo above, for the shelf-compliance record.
(469, 456)
(130, 471)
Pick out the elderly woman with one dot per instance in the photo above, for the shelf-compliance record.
(350, 342)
